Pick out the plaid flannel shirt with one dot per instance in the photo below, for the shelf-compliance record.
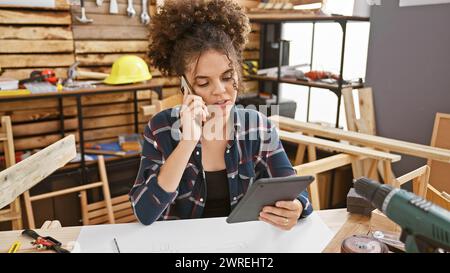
(254, 152)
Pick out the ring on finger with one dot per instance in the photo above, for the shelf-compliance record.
(286, 221)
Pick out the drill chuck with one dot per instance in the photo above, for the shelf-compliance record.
(374, 192)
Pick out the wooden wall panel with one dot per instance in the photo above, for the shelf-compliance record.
(36, 39)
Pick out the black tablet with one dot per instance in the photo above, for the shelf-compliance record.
(266, 192)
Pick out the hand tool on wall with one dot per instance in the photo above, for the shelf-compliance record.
(145, 18)
(99, 2)
(44, 242)
(83, 19)
(130, 9)
(113, 9)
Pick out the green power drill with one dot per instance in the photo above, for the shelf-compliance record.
(425, 226)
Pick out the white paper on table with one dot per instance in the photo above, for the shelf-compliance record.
(206, 235)
(215, 235)
(28, 3)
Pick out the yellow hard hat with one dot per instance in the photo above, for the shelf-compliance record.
(128, 69)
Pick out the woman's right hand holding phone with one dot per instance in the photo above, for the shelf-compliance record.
(193, 113)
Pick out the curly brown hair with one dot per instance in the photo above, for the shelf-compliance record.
(183, 30)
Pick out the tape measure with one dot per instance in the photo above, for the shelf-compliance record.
(363, 244)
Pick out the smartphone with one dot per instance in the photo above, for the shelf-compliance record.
(185, 86)
(187, 89)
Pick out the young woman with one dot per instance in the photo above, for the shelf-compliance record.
(199, 159)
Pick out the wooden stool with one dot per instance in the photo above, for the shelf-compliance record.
(14, 212)
(103, 183)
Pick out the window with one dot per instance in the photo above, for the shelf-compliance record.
(327, 51)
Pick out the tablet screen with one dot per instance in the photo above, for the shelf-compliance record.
(266, 192)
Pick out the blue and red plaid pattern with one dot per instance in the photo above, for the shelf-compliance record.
(254, 152)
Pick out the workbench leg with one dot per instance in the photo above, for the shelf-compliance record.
(389, 176)
(372, 172)
(16, 209)
(356, 171)
(29, 210)
(300, 155)
(314, 186)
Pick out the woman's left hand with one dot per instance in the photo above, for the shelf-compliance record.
(284, 215)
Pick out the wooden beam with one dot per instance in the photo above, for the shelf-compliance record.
(102, 59)
(325, 164)
(337, 146)
(14, 17)
(24, 73)
(59, 5)
(36, 46)
(411, 175)
(393, 145)
(34, 60)
(66, 191)
(44, 127)
(35, 33)
(109, 19)
(92, 8)
(110, 33)
(250, 86)
(110, 46)
(105, 122)
(252, 45)
(32, 170)
(251, 55)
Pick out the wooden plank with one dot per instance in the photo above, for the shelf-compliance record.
(250, 86)
(87, 32)
(166, 81)
(440, 138)
(31, 60)
(35, 33)
(254, 37)
(325, 164)
(102, 59)
(36, 46)
(59, 5)
(66, 191)
(248, 3)
(44, 127)
(128, 219)
(109, 20)
(108, 132)
(38, 114)
(250, 55)
(35, 104)
(29, 172)
(114, 109)
(92, 8)
(252, 45)
(105, 122)
(367, 112)
(110, 46)
(255, 27)
(12, 17)
(337, 146)
(24, 73)
(37, 142)
(106, 98)
(393, 145)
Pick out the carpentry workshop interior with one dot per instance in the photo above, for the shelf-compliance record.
(353, 93)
